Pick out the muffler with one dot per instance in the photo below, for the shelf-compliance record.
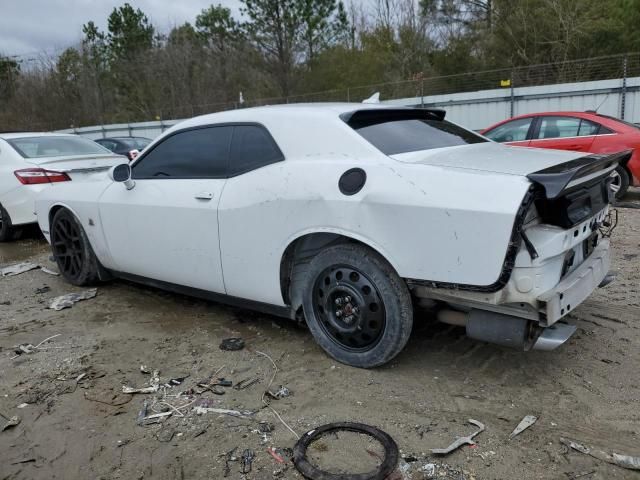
(507, 330)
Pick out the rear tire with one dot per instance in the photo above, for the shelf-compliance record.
(72, 251)
(357, 307)
(7, 231)
(621, 181)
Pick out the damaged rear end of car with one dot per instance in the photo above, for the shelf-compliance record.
(558, 254)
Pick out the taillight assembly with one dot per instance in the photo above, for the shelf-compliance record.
(36, 176)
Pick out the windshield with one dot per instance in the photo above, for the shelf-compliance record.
(401, 131)
(50, 146)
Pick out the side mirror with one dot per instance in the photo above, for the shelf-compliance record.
(122, 174)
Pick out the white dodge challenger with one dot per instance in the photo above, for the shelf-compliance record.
(348, 217)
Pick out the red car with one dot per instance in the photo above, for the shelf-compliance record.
(582, 131)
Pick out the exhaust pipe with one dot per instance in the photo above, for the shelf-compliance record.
(507, 330)
(554, 336)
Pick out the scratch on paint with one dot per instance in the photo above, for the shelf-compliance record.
(408, 181)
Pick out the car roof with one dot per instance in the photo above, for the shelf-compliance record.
(13, 135)
(270, 112)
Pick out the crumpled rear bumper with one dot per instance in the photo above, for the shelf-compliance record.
(577, 285)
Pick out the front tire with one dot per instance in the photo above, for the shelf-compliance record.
(357, 307)
(72, 251)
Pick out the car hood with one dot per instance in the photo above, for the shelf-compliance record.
(491, 157)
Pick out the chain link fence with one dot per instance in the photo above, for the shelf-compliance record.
(600, 68)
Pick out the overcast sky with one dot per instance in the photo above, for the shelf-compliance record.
(31, 26)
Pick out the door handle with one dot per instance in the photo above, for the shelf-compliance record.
(204, 196)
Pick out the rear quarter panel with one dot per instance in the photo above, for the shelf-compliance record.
(81, 199)
(431, 223)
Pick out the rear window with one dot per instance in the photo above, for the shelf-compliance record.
(36, 147)
(401, 131)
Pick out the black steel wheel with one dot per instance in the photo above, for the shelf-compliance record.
(71, 249)
(356, 306)
(350, 308)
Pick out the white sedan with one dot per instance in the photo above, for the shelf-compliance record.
(31, 162)
(346, 216)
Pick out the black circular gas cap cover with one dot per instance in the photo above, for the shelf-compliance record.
(352, 181)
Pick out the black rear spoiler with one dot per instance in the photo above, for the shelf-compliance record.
(555, 179)
(368, 115)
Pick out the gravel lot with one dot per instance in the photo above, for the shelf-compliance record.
(85, 427)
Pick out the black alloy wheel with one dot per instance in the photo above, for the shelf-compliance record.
(350, 308)
(72, 250)
(67, 247)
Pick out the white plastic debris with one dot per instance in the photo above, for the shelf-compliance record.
(67, 301)
(49, 271)
(223, 411)
(624, 461)
(525, 423)
(23, 405)
(17, 269)
(150, 389)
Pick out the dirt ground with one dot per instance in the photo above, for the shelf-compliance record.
(84, 427)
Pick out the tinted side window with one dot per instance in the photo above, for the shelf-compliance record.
(111, 145)
(515, 131)
(558, 127)
(588, 128)
(198, 153)
(252, 147)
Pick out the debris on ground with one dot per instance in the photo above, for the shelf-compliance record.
(388, 461)
(232, 344)
(152, 388)
(246, 383)
(624, 461)
(468, 440)
(224, 411)
(142, 413)
(67, 301)
(17, 269)
(149, 389)
(281, 455)
(229, 457)
(11, 422)
(144, 369)
(29, 348)
(525, 423)
(247, 460)
(282, 392)
(49, 271)
(43, 289)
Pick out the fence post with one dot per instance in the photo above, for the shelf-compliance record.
(348, 95)
(623, 99)
(512, 99)
(421, 92)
